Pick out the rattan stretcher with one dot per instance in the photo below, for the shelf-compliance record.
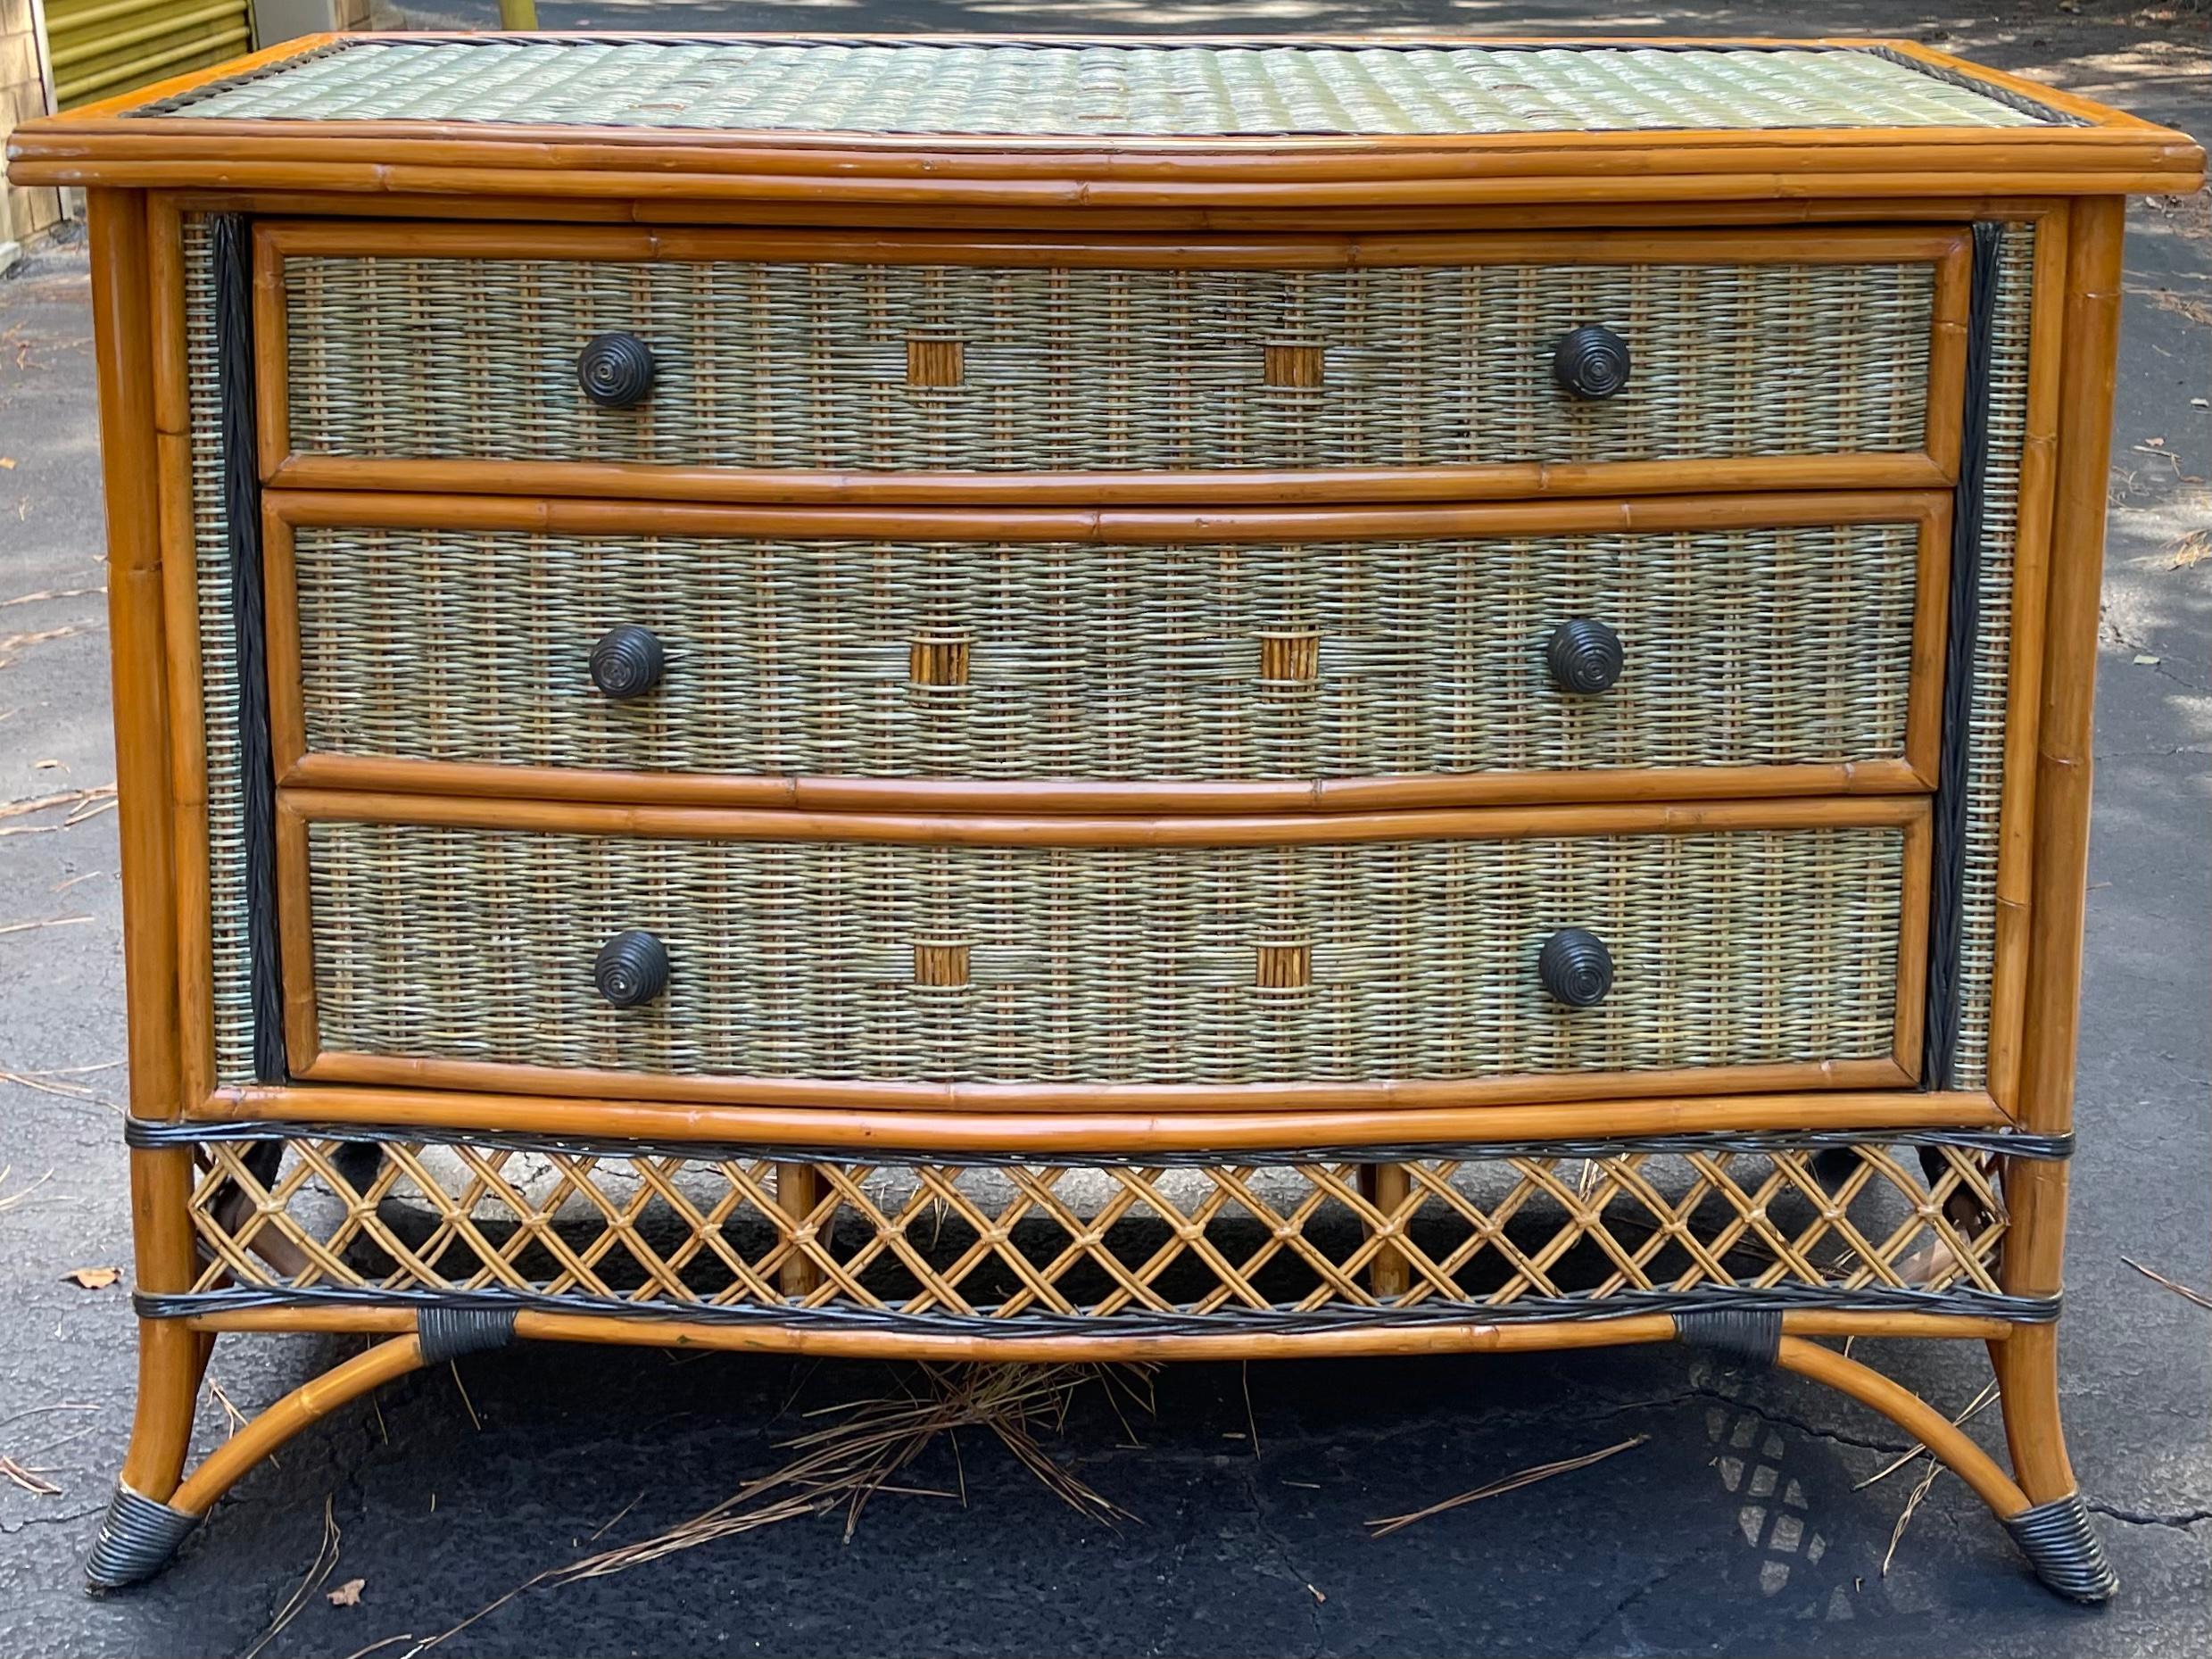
(1020, 700)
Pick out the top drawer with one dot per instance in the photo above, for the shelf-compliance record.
(788, 366)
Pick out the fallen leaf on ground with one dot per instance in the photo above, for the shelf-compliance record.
(347, 1595)
(2142, 661)
(7, 463)
(93, 1278)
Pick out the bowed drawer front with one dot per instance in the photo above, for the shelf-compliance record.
(1480, 953)
(1799, 636)
(595, 360)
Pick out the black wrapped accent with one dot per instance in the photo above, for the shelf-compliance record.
(1576, 968)
(1591, 362)
(233, 255)
(1585, 657)
(1963, 623)
(449, 1332)
(628, 661)
(1743, 1336)
(615, 371)
(136, 1539)
(2062, 1546)
(632, 968)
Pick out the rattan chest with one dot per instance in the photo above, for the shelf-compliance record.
(1022, 699)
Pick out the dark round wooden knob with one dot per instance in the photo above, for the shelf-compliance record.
(631, 967)
(1591, 361)
(628, 661)
(1576, 968)
(615, 371)
(1585, 657)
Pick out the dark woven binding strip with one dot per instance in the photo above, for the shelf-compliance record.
(2063, 1548)
(150, 1134)
(136, 1539)
(449, 1332)
(241, 504)
(1172, 1322)
(1939, 1057)
(1746, 1337)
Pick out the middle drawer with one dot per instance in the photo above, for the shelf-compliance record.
(1683, 646)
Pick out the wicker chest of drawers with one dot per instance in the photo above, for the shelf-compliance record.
(1024, 700)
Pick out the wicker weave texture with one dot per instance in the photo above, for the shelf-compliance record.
(668, 1233)
(1049, 662)
(1993, 654)
(791, 365)
(1101, 89)
(806, 960)
(230, 972)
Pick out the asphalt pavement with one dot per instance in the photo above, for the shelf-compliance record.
(1737, 1521)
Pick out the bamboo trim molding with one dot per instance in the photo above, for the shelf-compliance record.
(1070, 1135)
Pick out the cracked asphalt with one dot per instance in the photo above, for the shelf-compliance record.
(1738, 1525)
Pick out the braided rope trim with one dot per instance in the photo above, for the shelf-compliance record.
(1271, 1321)
(149, 1135)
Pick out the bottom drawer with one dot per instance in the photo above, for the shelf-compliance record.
(1072, 964)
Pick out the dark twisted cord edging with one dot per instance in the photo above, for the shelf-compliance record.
(1962, 628)
(1168, 1323)
(232, 258)
(149, 1135)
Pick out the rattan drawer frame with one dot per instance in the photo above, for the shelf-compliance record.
(2064, 182)
(311, 1062)
(1915, 770)
(1935, 463)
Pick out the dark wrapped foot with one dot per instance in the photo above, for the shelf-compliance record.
(137, 1539)
(2060, 1545)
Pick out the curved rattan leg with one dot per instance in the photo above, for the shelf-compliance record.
(140, 1534)
(141, 1531)
(2054, 1532)
(2054, 1535)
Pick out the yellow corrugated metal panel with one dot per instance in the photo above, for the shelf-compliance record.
(100, 47)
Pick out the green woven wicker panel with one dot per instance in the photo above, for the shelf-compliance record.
(805, 366)
(1744, 647)
(1107, 966)
(232, 994)
(1103, 89)
(1993, 652)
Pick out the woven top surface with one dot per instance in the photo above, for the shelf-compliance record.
(1051, 90)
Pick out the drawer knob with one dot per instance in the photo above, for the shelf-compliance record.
(1585, 657)
(632, 968)
(1576, 968)
(1591, 361)
(615, 371)
(628, 661)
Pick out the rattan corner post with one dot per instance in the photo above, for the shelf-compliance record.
(1017, 700)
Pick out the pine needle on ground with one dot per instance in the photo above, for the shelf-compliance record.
(1386, 1525)
(842, 1467)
